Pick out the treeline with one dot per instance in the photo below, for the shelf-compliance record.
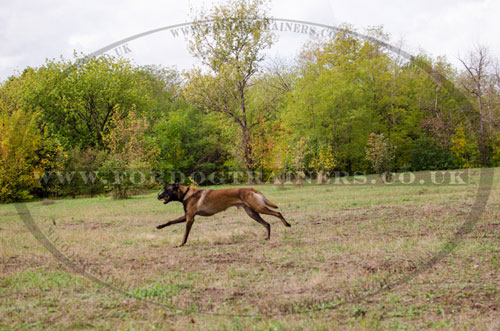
(66, 123)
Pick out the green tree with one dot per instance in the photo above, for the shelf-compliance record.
(229, 40)
(77, 99)
(189, 141)
(465, 148)
(20, 140)
(341, 95)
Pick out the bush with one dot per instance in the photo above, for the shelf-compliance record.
(465, 148)
(381, 153)
(428, 155)
(83, 167)
(116, 176)
(130, 154)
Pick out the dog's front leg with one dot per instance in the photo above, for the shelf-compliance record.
(181, 219)
(189, 224)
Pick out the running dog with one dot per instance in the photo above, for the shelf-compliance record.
(209, 202)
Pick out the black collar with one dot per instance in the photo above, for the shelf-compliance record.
(185, 193)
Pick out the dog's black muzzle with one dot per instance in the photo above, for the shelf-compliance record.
(162, 196)
(166, 200)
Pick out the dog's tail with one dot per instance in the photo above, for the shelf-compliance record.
(263, 199)
(269, 203)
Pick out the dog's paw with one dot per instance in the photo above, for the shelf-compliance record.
(288, 225)
(159, 227)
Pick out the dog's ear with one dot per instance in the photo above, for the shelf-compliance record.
(176, 183)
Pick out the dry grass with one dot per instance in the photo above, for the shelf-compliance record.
(327, 271)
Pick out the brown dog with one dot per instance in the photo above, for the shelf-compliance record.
(210, 202)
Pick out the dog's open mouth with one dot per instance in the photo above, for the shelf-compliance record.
(164, 198)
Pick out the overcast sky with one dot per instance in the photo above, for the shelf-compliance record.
(33, 30)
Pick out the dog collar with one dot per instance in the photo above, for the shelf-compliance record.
(185, 193)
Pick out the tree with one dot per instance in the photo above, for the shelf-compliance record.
(229, 40)
(323, 162)
(343, 92)
(20, 141)
(464, 148)
(478, 76)
(189, 141)
(77, 99)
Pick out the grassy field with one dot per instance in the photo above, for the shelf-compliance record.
(356, 257)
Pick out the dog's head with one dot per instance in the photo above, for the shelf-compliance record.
(169, 192)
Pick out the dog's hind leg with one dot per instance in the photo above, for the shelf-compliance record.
(181, 219)
(267, 211)
(253, 214)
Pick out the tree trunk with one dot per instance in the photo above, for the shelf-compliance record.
(482, 135)
(247, 148)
